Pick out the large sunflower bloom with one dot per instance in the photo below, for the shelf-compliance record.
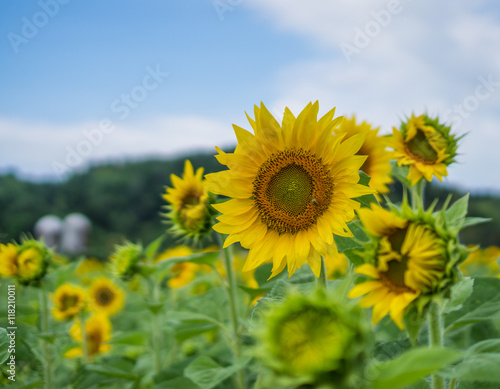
(97, 331)
(377, 165)
(189, 200)
(409, 259)
(426, 146)
(292, 188)
(69, 301)
(105, 297)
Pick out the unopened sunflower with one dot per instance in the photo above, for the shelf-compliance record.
(377, 165)
(411, 256)
(27, 262)
(292, 188)
(69, 301)
(190, 210)
(105, 297)
(97, 331)
(426, 146)
(314, 337)
(125, 259)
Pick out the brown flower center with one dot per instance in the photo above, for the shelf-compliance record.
(292, 189)
(421, 149)
(104, 296)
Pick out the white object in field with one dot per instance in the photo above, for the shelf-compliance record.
(49, 229)
(76, 234)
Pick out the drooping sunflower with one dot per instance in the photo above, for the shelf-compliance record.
(97, 331)
(190, 211)
(408, 258)
(292, 188)
(8, 260)
(426, 146)
(105, 296)
(32, 261)
(377, 165)
(69, 301)
(315, 337)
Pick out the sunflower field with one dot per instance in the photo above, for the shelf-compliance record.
(294, 269)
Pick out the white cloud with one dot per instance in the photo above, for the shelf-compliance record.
(427, 56)
(44, 149)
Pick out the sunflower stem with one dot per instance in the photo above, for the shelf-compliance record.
(85, 350)
(156, 337)
(436, 338)
(233, 308)
(322, 275)
(44, 327)
(417, 195)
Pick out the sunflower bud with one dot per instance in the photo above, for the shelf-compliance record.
(27, 262)
(426, 146)
(125, 259)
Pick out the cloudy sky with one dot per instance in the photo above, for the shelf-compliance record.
(84, 81)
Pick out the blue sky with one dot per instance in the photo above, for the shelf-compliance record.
(378, 59)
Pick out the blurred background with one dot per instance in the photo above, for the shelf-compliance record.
(102, 101)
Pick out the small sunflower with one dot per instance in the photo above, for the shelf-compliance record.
(8, 260)
(482, 262)
(182, 273)
(377, 165)
(97, 331)
(426, 146)
(69, 301)
(126, 258)
(190, 212)
(316, 337)
(408, 258)
(105, 297)
(336, 267)
(32, 261)
(292, 188)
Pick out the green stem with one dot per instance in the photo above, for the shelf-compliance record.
(44, 327)
(156, 336)
(452, 383)
(322, 275)
(436, 339)
(233, 309)
(85, 350)
(417, 195)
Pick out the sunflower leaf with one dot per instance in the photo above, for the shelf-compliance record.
(412, 366)
(176, 383)
(153, 247)
(206, 373)
(455, 215)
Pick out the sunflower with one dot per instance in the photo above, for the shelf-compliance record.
(292, 188)
(182, 273)
(32, 261)
(69, 301)
(8, 260)
(336, 267)
(426, 146)
(482, 262)
(377, 165)
(406, 259)
(105, 297)
(190, 212)
(97, 331)
(315, 336)
(125, 260)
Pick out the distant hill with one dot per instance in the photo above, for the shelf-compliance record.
(124, 200)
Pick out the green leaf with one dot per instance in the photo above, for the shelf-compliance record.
(253, 292)
(460, 292)
(455, 215)
(364, 179)
(192, 324)
(481, 363)
(207, 373)
(400, 173)
(153, 247)
(130, 339)
(412, 366)
(177, 383)
(4, 345)
(346, 244)
(413, 321)
(482, 305)
(111, 372)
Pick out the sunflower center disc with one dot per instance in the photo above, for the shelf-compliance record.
(292, 189)
(105, 296)
(421, 148)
